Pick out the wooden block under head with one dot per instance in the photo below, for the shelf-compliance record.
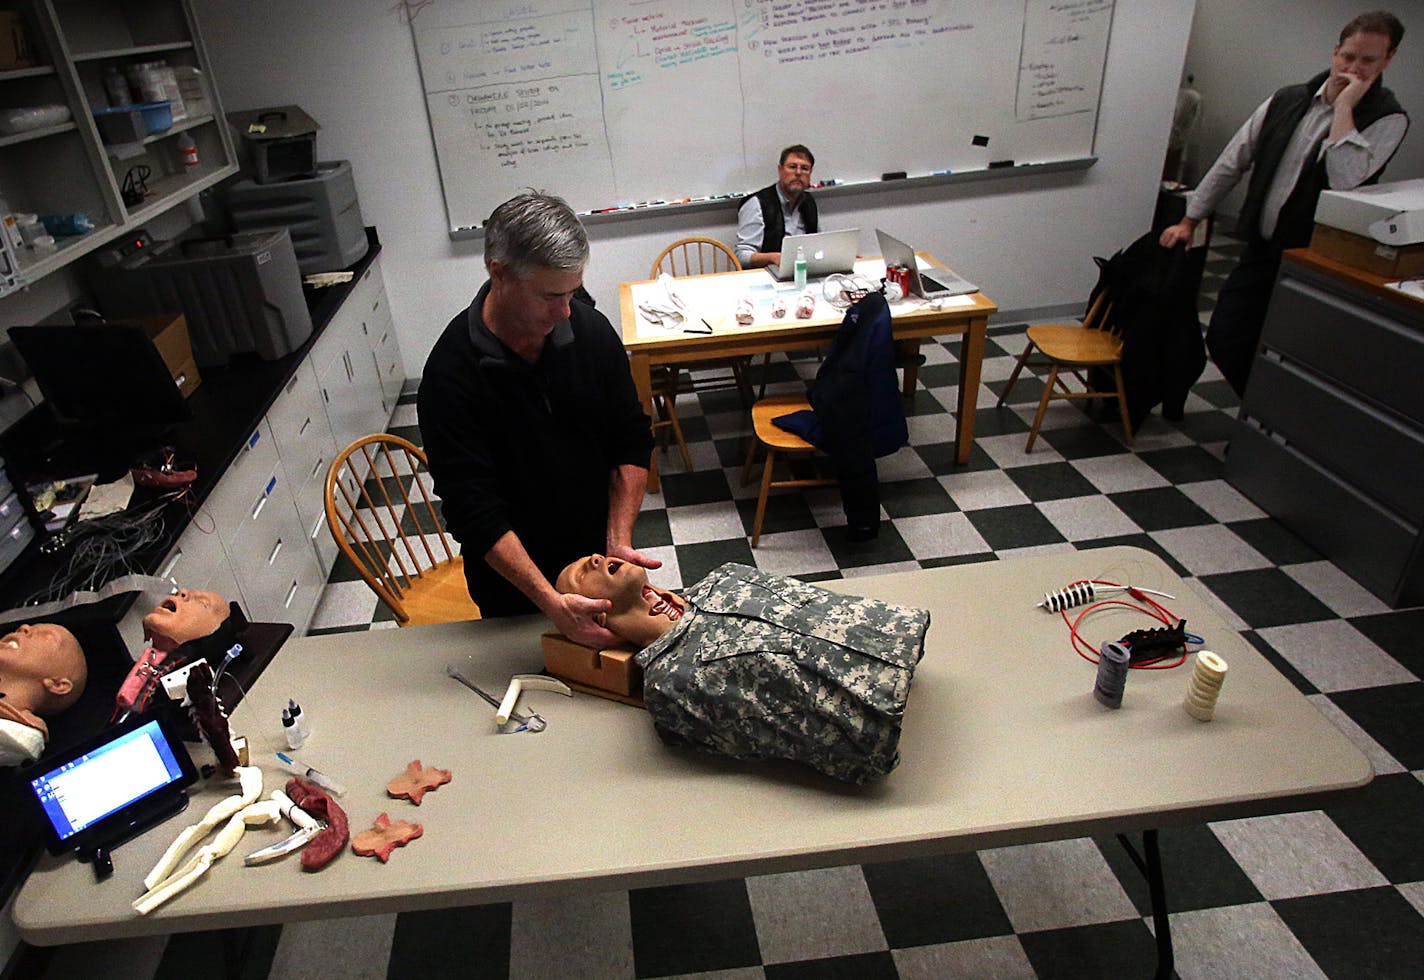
(613, 670)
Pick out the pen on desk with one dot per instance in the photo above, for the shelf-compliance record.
(313, 774)
(942, 173)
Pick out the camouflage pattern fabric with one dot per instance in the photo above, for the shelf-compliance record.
(767, 667)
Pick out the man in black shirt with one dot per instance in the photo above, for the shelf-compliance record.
(537, 441)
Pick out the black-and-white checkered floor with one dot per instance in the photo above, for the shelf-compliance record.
(1336, 893)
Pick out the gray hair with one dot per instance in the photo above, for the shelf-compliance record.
(535, 229)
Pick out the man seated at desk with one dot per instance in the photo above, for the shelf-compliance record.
(537, 441)
(783, 208)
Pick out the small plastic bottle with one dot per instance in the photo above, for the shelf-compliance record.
(116, 86)
(299, 718)
(295, 739)
(189, 150)
(800, 267)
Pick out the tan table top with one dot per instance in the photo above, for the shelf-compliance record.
(1003, 743)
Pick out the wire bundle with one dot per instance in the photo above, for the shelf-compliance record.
(103, 548)
(1084, 591)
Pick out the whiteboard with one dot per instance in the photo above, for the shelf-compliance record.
(615, 104)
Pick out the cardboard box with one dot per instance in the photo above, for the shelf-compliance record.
(613, 671)
(1392, 214)
(169, 333)
(1361, 252)
(15, 50)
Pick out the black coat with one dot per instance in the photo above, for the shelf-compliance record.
(1154, 307)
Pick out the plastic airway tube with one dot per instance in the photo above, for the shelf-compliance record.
(511, 698)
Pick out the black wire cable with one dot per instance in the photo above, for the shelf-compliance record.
(102, 549)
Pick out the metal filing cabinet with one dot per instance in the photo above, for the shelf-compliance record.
(1330, 436)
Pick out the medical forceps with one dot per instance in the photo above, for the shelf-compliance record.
(533, 722)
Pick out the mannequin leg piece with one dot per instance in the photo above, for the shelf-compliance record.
(250, 778)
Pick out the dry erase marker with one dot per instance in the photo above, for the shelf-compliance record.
(307, 772)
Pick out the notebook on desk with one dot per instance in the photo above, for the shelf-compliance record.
(825, 251)
(931, 283)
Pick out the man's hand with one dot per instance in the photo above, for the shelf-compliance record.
(628, 554)
(1174, 235)
(578, 618)
(1346, 90)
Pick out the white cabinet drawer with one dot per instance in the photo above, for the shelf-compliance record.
(299, 427)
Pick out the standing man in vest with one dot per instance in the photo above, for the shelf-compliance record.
(772, 213)
(1336, 131)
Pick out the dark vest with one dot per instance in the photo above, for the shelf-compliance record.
(775, 222)
(1288, 106)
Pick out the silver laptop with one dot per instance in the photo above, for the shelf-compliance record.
(931, 283)
(825, 251)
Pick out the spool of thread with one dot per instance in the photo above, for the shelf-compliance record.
(1113, 663)
(1205, 686)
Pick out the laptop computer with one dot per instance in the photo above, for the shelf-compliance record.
(825, 251)
(931, 283)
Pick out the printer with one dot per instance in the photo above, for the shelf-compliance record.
(240, 294)
(1379, 228)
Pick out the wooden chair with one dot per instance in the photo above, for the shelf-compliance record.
(381, 511)
(777, 442)
(695, 257)
(1093, 343)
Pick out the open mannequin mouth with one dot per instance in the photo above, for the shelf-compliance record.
(659, 605)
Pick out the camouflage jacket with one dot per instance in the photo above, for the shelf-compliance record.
(766, 667)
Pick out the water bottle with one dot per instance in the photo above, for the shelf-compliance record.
(800, 267)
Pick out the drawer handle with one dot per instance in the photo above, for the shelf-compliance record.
(262, 502)
(320, 465)
(291, 594)
(253, 439)
(303, 430)
(317, 527)
(275, 551)
(167, 571)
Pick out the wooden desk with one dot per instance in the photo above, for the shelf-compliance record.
(648, 344)
(1003, 744)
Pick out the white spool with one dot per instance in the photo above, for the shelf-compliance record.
(1205, 686)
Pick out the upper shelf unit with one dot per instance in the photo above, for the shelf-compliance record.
(78, 48)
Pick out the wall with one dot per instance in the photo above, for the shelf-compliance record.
(1234, 78)
(351, 64)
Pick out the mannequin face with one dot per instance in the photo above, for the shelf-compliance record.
(641, 611)
(185, 615)
(42, 669)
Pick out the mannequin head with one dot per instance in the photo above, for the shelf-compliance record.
(641, 612)
(188, 614)
(42, 669)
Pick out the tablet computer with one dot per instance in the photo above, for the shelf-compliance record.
(99, 793)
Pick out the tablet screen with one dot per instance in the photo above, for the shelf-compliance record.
(105, 779)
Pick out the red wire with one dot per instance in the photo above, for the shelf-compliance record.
(1153, 608)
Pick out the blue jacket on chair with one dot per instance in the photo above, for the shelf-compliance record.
(858, 415)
